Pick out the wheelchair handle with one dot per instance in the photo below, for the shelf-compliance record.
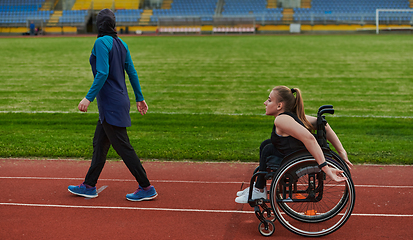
(324, 107)
(327, 110)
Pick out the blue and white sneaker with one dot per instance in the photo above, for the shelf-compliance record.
(83, 190)
(140, 194)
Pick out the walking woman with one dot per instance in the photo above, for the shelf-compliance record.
(109, 60)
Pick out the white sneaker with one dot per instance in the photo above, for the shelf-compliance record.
(256, 194)
(246, 191)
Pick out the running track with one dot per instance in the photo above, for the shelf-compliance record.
(196, 201)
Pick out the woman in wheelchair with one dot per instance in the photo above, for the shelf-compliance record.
(292, 131)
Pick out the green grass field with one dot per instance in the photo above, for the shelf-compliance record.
(206, 94)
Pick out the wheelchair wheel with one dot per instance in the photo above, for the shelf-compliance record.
(309, 203)
(266, 229)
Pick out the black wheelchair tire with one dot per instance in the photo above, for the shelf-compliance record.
(278, 206)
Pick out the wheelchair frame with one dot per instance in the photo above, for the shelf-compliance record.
(298, 183)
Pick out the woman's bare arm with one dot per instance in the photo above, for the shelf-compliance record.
(333, 139)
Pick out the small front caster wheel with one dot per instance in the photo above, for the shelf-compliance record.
(266, 228)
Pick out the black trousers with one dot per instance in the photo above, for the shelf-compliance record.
(267, 153)
(105, 136)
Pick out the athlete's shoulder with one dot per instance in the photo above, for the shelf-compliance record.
(105, 42)
(283, 119)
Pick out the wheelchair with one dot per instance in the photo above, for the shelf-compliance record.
(302, 197)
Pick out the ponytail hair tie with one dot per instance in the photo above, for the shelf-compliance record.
(293, 90)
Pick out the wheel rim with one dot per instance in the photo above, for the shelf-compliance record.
(306, 214)
(311, 218)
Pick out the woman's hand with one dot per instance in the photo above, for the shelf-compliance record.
(142, 107)
(334, 174)
(343, 155)
(83, 105)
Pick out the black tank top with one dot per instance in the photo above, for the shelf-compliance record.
(287, 145)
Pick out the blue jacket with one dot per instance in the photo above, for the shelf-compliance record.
(109, 60)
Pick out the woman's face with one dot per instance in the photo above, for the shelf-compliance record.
(272, 106)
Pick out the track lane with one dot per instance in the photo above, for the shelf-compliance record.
(183, 188)
(184, 196)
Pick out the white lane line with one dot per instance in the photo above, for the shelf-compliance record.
(180, 181)
(382, 186)
(119, 180)
(176, 209)
(381, 215)
(124, 208)
(204, 113)
(149, 161)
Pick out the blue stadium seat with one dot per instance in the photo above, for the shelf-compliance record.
(256, 8)
(188, 8)
(352, 10)
(128, 15)
(73, 16)
(20, 11)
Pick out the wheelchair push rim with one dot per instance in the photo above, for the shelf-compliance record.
(311, 168)
(307, 202)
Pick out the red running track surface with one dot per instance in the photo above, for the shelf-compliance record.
(196, 201)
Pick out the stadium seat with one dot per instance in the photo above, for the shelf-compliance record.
(82, 5)
(21, 11)
(256, 8)
(128, 15)
(187, 8)
(127, 4)
(352, 10)
(102, 4)
(73, 16)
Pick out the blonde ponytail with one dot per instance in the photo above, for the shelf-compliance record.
(298, 109)
(294, 104)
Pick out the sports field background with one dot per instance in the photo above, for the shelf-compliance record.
(206, 94)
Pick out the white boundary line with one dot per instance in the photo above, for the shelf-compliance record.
(178, 181)
(124, 208)
(186, 161)
(177, 209)
(121, 180)
(381, 215)
(381, 186)
(229, 114)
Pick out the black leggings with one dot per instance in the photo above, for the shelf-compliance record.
(267, 151)
(106, 135)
